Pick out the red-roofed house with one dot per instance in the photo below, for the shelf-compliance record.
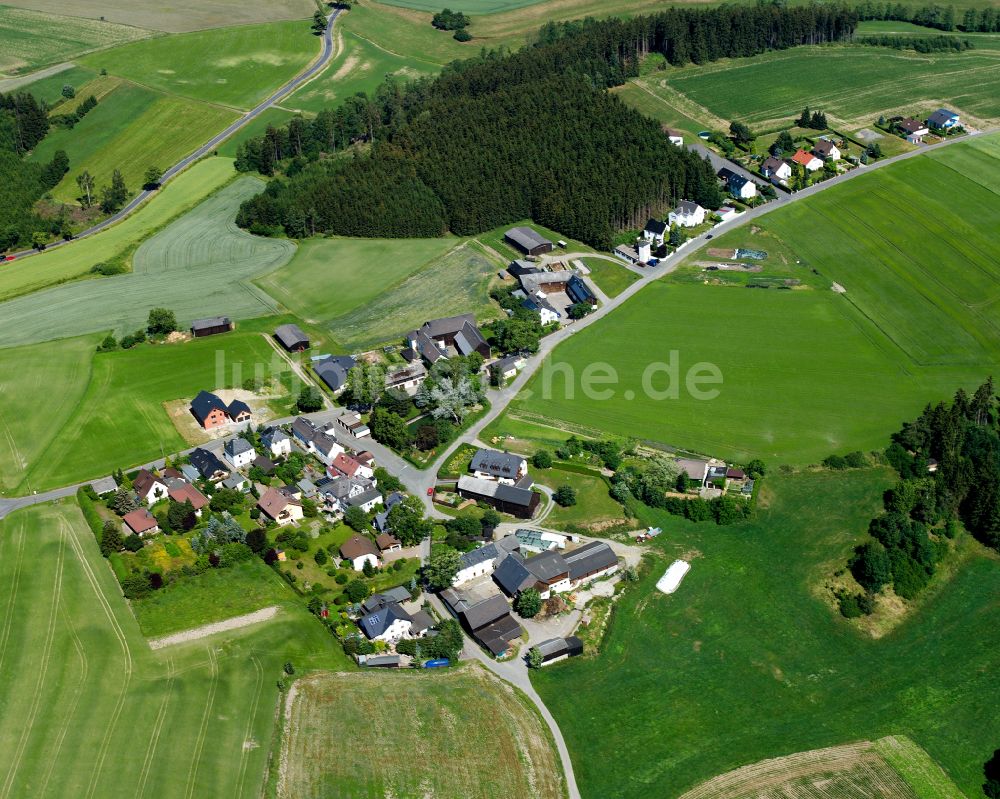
(808, 160)
(149, 488)
(141, 522)
(346, 466)
(280, 507)
(186, 492)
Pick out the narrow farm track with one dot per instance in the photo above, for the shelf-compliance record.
(317, 66)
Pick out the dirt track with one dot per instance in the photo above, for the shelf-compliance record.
(234, 623)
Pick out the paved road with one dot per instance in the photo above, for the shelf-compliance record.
(311, 71)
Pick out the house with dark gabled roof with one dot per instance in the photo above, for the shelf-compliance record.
(148, 488)
(506, 467)
(942, 119)
(687, 214)
(825, 148)
(655, 231)
(520, 267)
(528, 241)
(383, 599)
(440, 338)
(387, 624)
(211, 412)
(333, 370)
(357, 549)
(382, 518)
(276, 440)
(519, 502)
(239, 452)
(208, 465)
(592, 560)
(556, 649)
(292, 338)
(483, 560)
(487, 620)
(774, 169)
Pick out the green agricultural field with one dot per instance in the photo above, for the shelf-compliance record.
(359, 66)
(331, 277)
(131, 129)
(118, 418)
(199, 265)
(457, 282)
(29, 39)
(234, 67)
(90, 711)
(212, 596)
(654, 97)
(405, 33)
(811, 371)
(42, 387)
(487, 739)
(46, 86)
(749, 660)
(610, 278)
(68, 263)
(853, 85)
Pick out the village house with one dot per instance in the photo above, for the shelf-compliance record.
(367, 500)
(528, 241)
(325, 447)
(589, 562)
(443, 338)
(943, 119)
(358, 550)
(105, 485)
(737, 185)
(695, 469)
(553, 572)
(292, 338)
(387, 542)
(520, 267)
(212, 413)
(824, 148)
(140, 522)
(655, 231)
(407, 379)
(482, 561)
(239, 452)
(391, 596)
(547, 314)
(333, 370)
(335, 494)
(211, 326)
(487, 620)
(346, 466)
(545, 285)
(280, 507)
(264, 463)
(236, 482)
(505, 467)
(185, 492)
(687, 214)
(913, 129)
(278, 441)
(382, 518)
(808, 160)
(388, 624)
(519, 502)
(507, 368)
(775, 170)
(208, 466)
(148, 488)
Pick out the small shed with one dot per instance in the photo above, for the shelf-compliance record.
(292, 338)
(211, 326)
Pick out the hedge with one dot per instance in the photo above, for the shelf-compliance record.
(90, 514)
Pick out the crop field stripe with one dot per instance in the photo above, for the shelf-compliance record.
(203, 729)
(154, 737)
(248, 731)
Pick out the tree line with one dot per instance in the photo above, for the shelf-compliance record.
(506, 136)
(922, 44)
(948, 461)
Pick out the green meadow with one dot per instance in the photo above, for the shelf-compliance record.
(234, 67)
(749, 660)
(199, 265)
(106, 411)
(810, 371)
(610, 278)
(98, 714)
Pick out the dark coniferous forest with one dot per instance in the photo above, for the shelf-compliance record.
(506, 136)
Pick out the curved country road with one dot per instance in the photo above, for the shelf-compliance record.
(311, 71)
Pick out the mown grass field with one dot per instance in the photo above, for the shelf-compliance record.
(113, 415)
(131, 129)
(594, 508)
(858, 770)
(235, 67)
(331, 277)
(359, 66)
(180, 15)
(199, 265)
(463, 733)
(30, 39)
(90, 711)
(853, 85)
(457, 282)
(747, 660)
(610, 278)
(48, 88)
(810, 372)
(67, 263)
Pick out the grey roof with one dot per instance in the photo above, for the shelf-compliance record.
(547, 566)
(823, 147)
(521, 267)
(211, 321)
(655, 226)
(687, 207)
(378, 621)
(264, 463)
(497, 635)
(381, 660)
(554, 647)
(234, 481)
(538, 303)
(390, 596)
(420, 621)
(206, 462)
(365, 497)
(333, 370)
(190, 471)
(324, 442)
(405, 374)
(588, 559)
(941, 117)
(304, 429)
(772, 163)
(237, 446)
(382, 518)
(490, 551)
(486, 611)
(105, 485)
(507, 363)
(499, 464)
(526, 238)
(291, 335)
(491, 488)
(512, 575)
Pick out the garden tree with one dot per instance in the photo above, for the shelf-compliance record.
(756, 469)
(113, 197)
(161, 321)
(257, 540)
(542, 459)
(768, 191)
(152, 178)
(219, 531)
(54, 170)
(133, 543)
(991, 770)
(111, 537)
(804, 118)
(227, 499)
(874, 150)
(534, 658)
(449, 394)
(578, 310)
(365, 384)
(356, 519)
(108, 344)
(528, 603)
(406, 520)
(489, 521)
(310, 400)
(320, 557)
(368, 569)
(389, 428)
(565, 496)
(517, 334)
(68, 91)
(387, 482)
(817, 121)
(123, 502)
(181, 515)
(427, 437)
(784, 144)
(309, 508)
(39, 239)
(441, 569)
(463, 531)
(676, 237)
(447, 643)
(870, 566)
(740, 132)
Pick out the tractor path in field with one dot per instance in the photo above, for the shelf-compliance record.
(310, 72)
(235, 623)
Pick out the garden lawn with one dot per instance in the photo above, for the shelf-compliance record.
(73, 261)
(329, 277)
(749, 660)
(30, 39)
(131, 129)
(610, 278)
(594, 508)
(214, 595)
(235, 67)
(90, 710)
(41, 387)
(852, 84)
(199, 265)
(487, 740)
(359, 66)
(120, 420)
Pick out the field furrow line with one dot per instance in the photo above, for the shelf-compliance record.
(154, 738)
(203, 730)
(245, 754)
(9, 614)
(127, 653)
(36, 699)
